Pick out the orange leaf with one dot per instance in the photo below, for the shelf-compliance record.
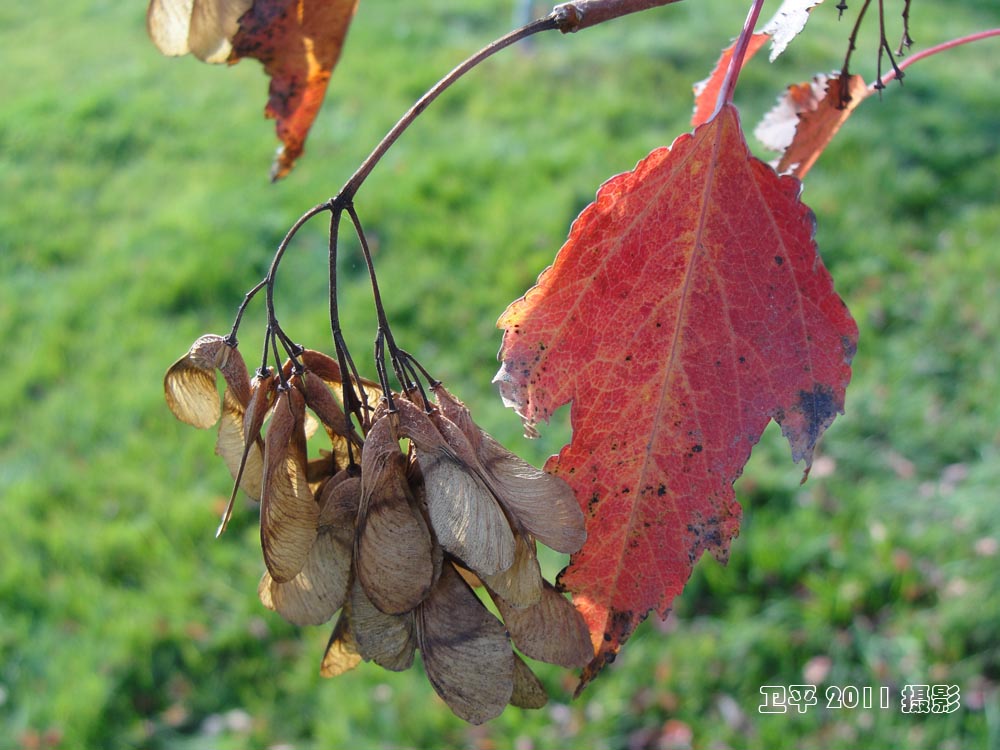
(806, 118)
(299, 42)
(706, 92)
(687, 308)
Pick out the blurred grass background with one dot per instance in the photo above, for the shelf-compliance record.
(135, 212)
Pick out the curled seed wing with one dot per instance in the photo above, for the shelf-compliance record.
(320, 399)
(230, 363)
(288, 513)
(552, 630)
(387, 640)
(213, 24)
(459, 414)
(466, 652)
(191, 393)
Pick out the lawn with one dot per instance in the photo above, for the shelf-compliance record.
(136, 212)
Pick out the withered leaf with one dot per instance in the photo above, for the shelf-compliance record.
(551, 630)
(288, 513)
(299, 43)
(387, 640)
(466, 652)
(342, 653)
(393, 551)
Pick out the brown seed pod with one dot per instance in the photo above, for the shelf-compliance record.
(314, 595)
(387, 640)
(466, 652)
(528, 689)
(189, 385)
(520, 585)
(465, 516)
(393, 549)
(544, 505)
(341, 653)
(288, 513)
(552, 630)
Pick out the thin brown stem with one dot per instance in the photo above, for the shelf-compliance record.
(582, 14)
(930, 51)
(350, 189)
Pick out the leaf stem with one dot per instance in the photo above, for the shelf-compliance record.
(728, 87)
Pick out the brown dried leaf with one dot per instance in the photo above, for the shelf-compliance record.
(288, 512)
(299, 43)
(806, 118)
(387, 640)
(528, 689)
(342, 653)
(394, 549)
(551, 630)
(466, 652)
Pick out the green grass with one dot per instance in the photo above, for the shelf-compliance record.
(135, 213)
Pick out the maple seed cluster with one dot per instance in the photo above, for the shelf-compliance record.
(395, 527)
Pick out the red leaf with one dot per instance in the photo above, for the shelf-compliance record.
(687, 308)
(299, 42)
(807, 117)
(706, 92)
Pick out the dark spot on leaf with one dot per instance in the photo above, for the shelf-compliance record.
(696, 448)
(661, 490)
(819, 407)
(778, 260)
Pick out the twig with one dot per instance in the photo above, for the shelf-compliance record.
(978, 36)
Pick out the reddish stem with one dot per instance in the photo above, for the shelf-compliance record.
(739, 53)
(935, 49)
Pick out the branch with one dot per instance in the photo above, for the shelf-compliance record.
(572, 17)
